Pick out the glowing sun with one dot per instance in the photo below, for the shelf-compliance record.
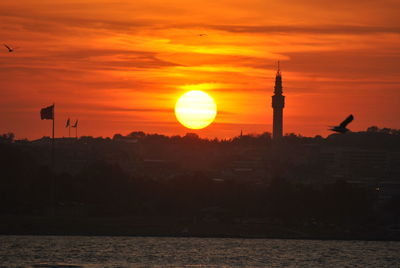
(195, 109)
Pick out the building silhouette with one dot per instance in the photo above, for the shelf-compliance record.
(278, 103)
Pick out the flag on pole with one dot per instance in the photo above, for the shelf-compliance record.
(47, 113)
(68, 123)
(76, 124)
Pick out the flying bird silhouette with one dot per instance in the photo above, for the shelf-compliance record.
(202, 34)
(10, 49)
(342, 127)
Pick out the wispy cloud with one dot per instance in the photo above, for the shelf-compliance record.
(310, 29)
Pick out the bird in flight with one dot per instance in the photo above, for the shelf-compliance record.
(342, 127)
(10, 49)
(202, 34)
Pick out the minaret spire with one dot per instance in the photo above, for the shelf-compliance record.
(278, 103)
(279, 68)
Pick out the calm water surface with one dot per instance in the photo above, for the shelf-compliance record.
(80, 251)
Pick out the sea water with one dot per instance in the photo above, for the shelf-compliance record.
(84, 251)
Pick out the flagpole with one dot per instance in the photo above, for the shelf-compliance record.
(52, 140)
(49, 113)
(53, 164)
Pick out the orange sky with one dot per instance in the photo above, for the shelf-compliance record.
(119, 66)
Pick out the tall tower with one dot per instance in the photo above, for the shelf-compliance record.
(278, 103)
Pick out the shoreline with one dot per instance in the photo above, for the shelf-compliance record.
(211, 237)
(167, 227)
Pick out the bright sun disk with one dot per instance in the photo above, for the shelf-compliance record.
(195, 109)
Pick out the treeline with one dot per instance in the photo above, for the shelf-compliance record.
(386, 137)
(373, 137)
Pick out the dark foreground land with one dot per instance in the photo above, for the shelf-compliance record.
(342, 187)
(24, 225)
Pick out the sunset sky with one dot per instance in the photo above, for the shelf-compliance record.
(119, 66)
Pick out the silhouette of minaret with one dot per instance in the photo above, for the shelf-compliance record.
(278, 103)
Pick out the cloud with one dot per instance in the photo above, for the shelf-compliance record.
(131, 109)
(362, 63)
(293, 29)
(89, 59)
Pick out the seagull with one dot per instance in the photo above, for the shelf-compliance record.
(10, 49)
(342, 127)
